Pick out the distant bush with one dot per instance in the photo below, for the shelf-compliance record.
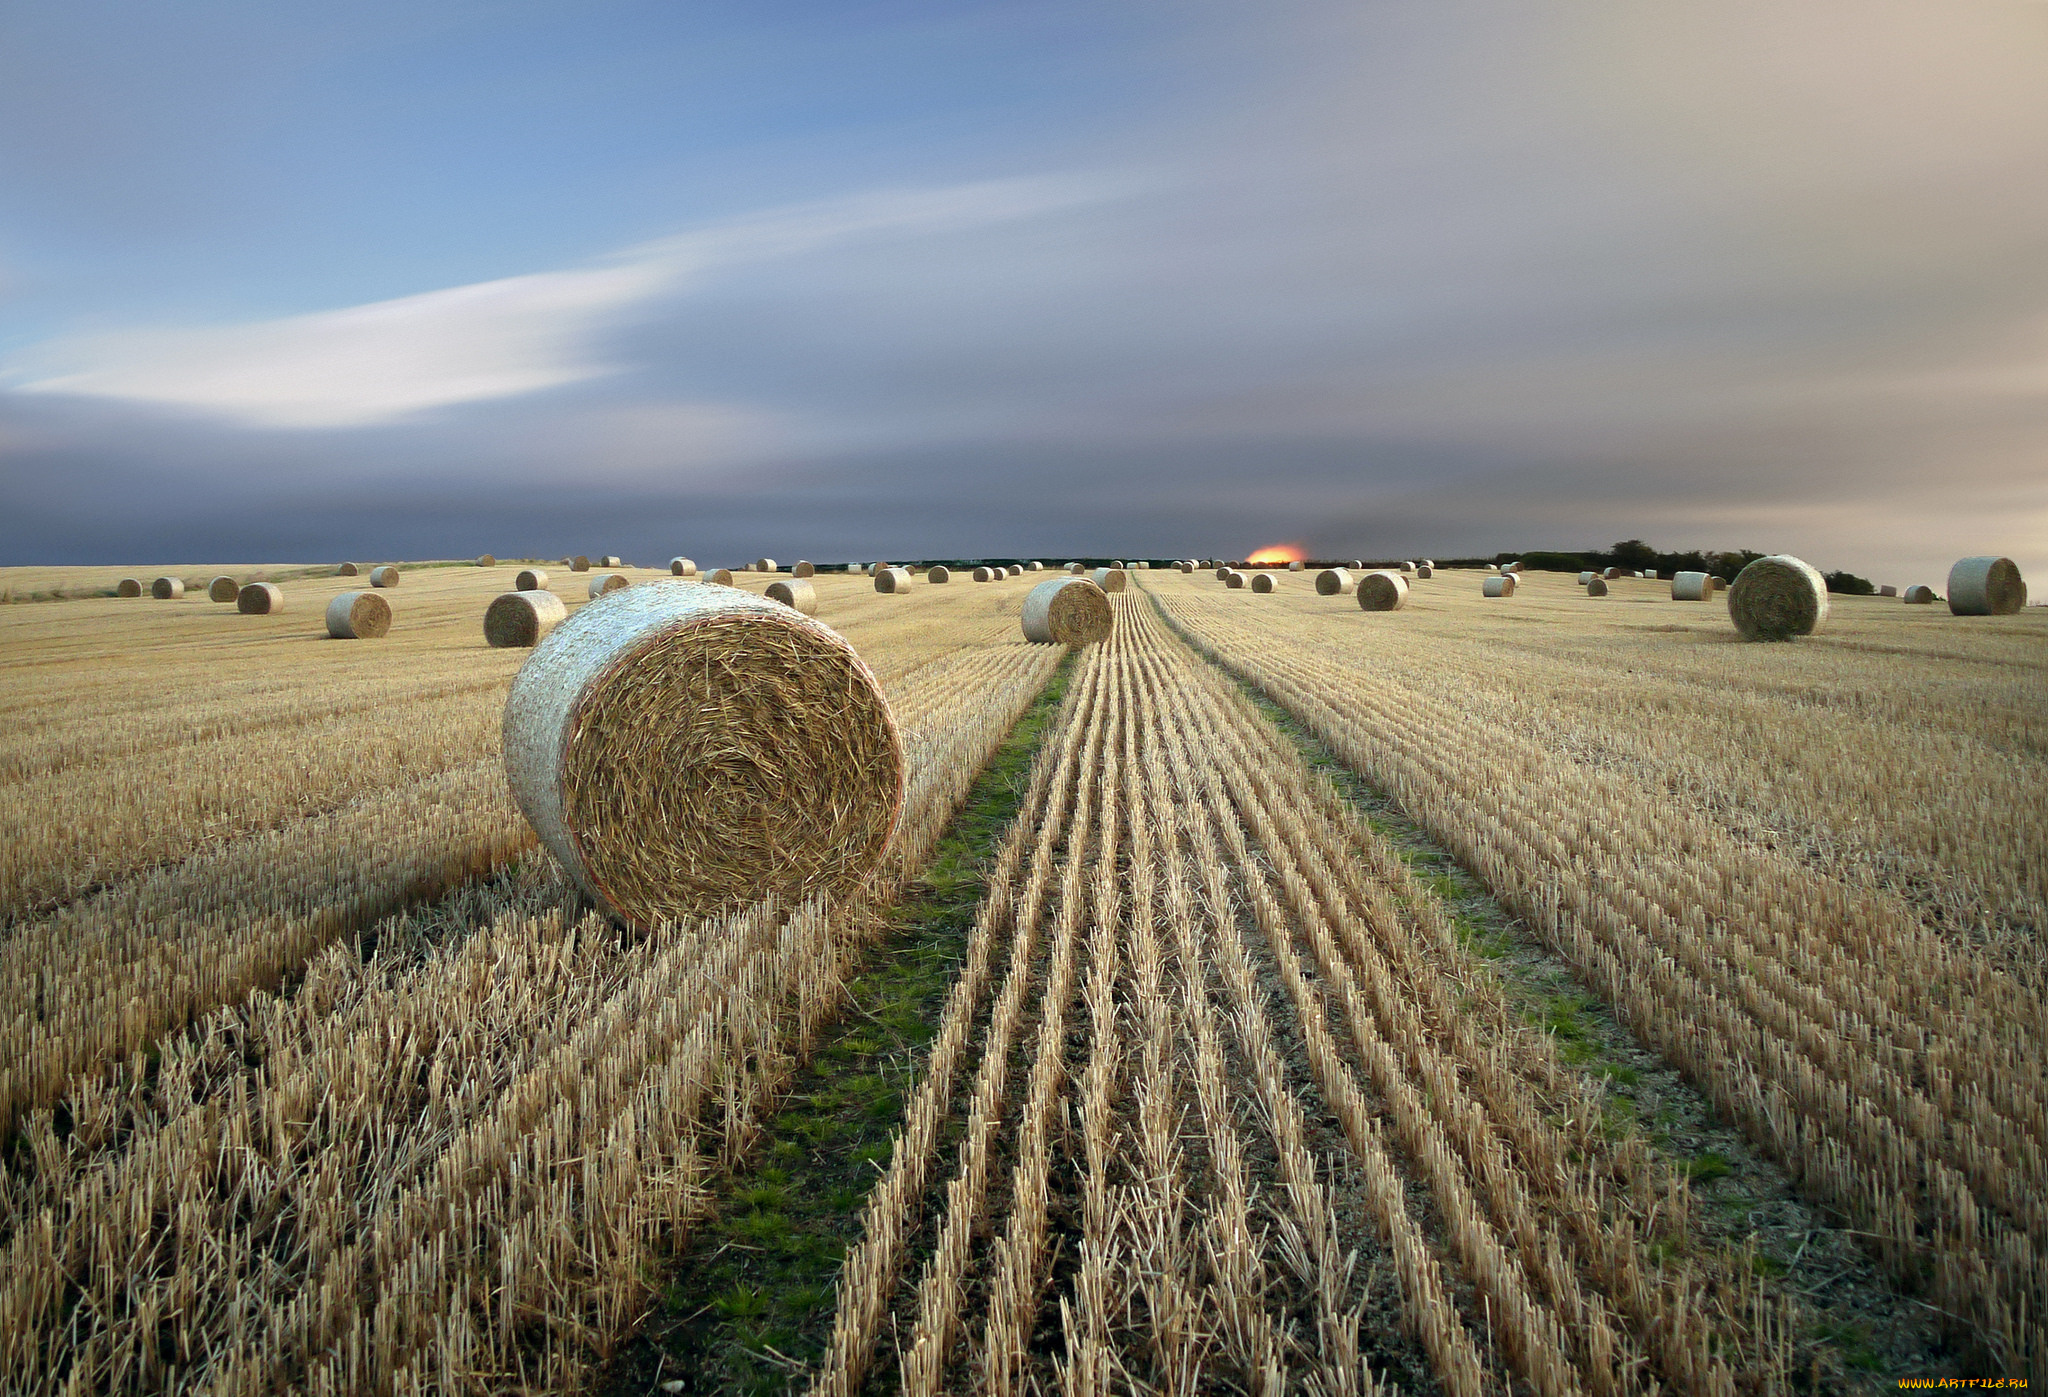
(1850, 585)
(1554, 562)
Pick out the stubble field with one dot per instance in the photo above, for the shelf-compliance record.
(1543, 995)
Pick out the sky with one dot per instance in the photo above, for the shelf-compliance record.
(899, 280)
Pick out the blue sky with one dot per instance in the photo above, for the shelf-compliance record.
(849, 281)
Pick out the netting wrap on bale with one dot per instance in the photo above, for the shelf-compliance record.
(1502, 585)
(517, 620)
(386, 576)
(1109, 579)
(1335, 582)
(167, 588)
(797, 592)
(259, 599)
(894, 581)
(358, 616)
(1986, 586)
(530, 580)
(1067, 611)
(1920, 594)
(1777, 598)
(1382, 591)
(658, 741)
(608, 582)
(223, 589)
(1691, 586)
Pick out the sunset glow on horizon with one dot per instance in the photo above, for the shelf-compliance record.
(1279, 553)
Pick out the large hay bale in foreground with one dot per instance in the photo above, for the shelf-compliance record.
(1986, 586)
(518, 620)
(259, 599)
(358, 616)
(795, 592)
(1920, 594)
(659, 741)
(128, 587)
(803, 568)
(938, 572)
(530, 580)
(487, 560)
(720, 576)
(1596, 586)
(167, 588)
(223, 589)
(348, 570)
(1335, 582)
(608, 582)
(1262, 582)
(682, 567)
(1502, 585)
(1110, 579)
(1691, 586)
(1777, 598)
(1067, 611)
(893, 581)
(386, 576)
(1382, 591)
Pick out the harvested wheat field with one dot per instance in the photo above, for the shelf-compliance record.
(1523, 995)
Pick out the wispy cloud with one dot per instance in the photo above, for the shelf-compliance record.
(488, 340)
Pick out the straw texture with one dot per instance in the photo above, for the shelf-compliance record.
(348, 570)
(1109, 579)
(1596, 586)
(579, 563)
(1233, 579)
(1777, 598)
(1335, 582)
(518, 620)
(658, 740)
(1986, 586)
(803, 568)
(1425, 569)
(259, 599)
(722, 576)
(358, 616)
(682, 567)
(938, 572)
(983, 575)
(797, 592)
(1034, 567)
(1262, 582)
(893, 581)
(1920, 594)
(1382, 591)
(128, 587)
(167, 588)
(386, 576)
(223, 589)
(611, 560)
(530, 580)
(1067, 611)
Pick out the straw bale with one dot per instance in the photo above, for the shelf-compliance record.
(128, 587)
(259, 599)
(1888, 590)
(1356, 565)
(611, 560)
(1425, 569)
(386, 576)
(894, 581)
(1596, 587)
(1142, 565)
(1077, 568)
(348, 570)
(1233, 579)
(1408, 566)
(982, 575)
(530, 580)
(658, 743)
(487, 560)
(803, 569)
(1184, 565)
(167, 588)
(1384, 590)
(1501, 586)
(1335, 582)
(797, 592)
(358, 616)
(1223, 571)
(1586, 577)
(1034, 567)
(1262, 582)
(1493, 567)
(1296, 566)
(765, 565)
(1067, 611)
(1426, 563)
(223, 589)
(1986, 586)
(1109, 579)
(1691, 586)
(608, 582)
(1613, 573)
(721, 576)
(518, 620)
(939, 572)
(579, 563)
(682, 567)
(1777, 598)
(1720, 584)
(1920, 594)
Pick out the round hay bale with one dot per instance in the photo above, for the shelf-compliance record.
(1184, 566)
(1335, 582)
(797, 592)
(765, 565)
(579, 563)
(1296, 566)
(1142, 565)
(1493, 567)
(1920, 594)
(658, 743)
(1612, 573)
(1077, 568)
(1357, 565)
(223, 589)
(611, 560)
(386, 576)
(1408, 566)
(1426, 563)
(982, 575)
(608, 582)
(1596, 586)
(1501, 586)
(128, 587)
(517, 620)
(1425, 569)
(803, 569)
(530, 580)
(720, 576)
(1110, 579)
(682, 567)
(259, 599)
(1691, 586)
(1720, 584)
(1986, 586)
(1222, 572)
(1034, 567)
(894, 581)
(1777, 598)
(1233, 579)
(874, 569)
(358, 616)
(939, 572)
(167, 588)
(348, 570)
(487, 560)
(1888, 590)
(1382, 591)
(1262, 582)
(1585, 577)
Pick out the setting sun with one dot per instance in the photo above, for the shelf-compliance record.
(1279, 553)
